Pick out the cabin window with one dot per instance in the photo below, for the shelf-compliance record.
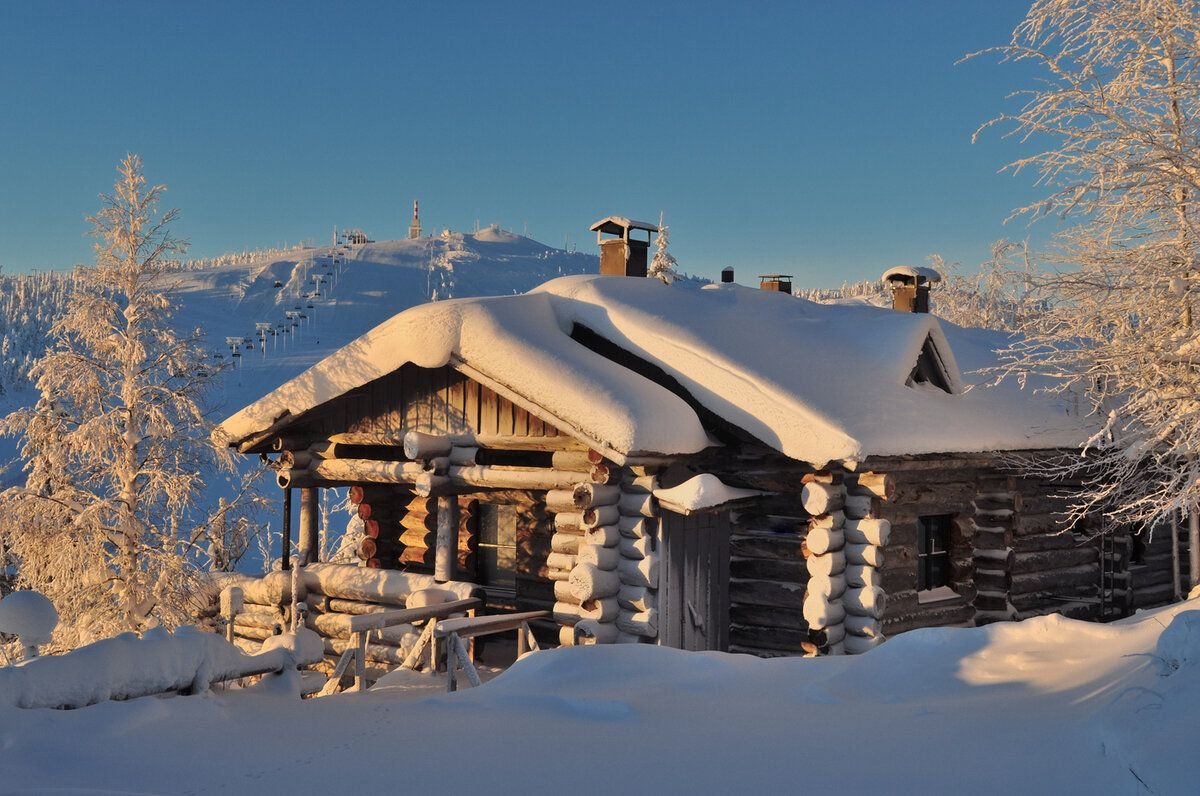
(933, 551)
(929, 370)
(497, 545)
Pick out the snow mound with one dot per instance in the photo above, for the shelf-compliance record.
(702, 492)
(1046, 706)
(28, 615)
(303, 644)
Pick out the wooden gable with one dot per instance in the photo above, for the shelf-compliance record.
(432, 400)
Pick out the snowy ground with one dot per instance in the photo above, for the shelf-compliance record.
(1047, 706)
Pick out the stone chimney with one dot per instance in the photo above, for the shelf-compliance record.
(780, 283)
(910, 287)
(627, 254)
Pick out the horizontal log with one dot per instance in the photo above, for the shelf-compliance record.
(868, 554)
(860, 575)
(589, 582)
(1053, 559)
(858, 507)
(365, 470)
(766, 593)
(827, 636)
(601, 515)
(635, 548)
(828, 564)
(782, 570)
(592, 631)
(818, 498)
(565, 543)
(639, 623)
(819, 541)
(766, 616)
(820, 612)
(639, 484)
(786, 639)
(867, 601)
(640, 572)
(829, 587)
(637, 527)
(588, 495)
(602, 535)
(857, 645)
(765, 545)
(567, 522)
(867, 626)
(571, 460)
(1054, 581)
(501, 477)
(602, 557)
(633, 504)
(560, 500)
(637, 598)
(868, 531)
(419, 445)
(880, 485)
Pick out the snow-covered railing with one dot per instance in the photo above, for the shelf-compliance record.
(124, 667)
(360, 628)
(454, 631)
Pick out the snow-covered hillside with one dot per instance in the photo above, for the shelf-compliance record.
(1049, 705)
(369, 284)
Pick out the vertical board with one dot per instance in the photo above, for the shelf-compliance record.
(693, 598)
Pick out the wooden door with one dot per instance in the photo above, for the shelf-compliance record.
(693, 597)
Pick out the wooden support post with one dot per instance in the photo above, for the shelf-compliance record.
(1194, 548)
(286, 542)
(1176, 581)
(447, 539)
(309, 540)
(360, 660)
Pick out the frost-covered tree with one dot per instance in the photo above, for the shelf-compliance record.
(117, 440)
(1116, 123)
(663, 266)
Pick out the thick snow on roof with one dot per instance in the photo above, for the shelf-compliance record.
(913, 272)
(817, 382)
(608, 222)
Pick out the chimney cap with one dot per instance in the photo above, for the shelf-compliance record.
(620, 225)
(911, 275)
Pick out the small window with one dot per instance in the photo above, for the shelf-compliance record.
(933, 552)
(929, 370)
(497, 545)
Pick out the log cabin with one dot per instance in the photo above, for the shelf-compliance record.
(708, 468)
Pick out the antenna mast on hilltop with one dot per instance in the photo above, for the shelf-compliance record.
(414, 229)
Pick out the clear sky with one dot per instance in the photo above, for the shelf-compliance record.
(824, 139)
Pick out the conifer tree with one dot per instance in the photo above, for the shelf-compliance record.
(663, 266)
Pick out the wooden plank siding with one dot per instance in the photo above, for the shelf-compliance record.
(432, 400)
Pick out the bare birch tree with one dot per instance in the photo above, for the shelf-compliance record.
(1115, 123)
(117, 441)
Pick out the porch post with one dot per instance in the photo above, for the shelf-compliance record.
(285, 553)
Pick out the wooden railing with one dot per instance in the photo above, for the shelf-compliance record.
(454, 631)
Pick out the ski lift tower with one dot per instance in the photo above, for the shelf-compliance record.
(263, 328)
(235, 345)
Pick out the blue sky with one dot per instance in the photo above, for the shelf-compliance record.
(824, 139)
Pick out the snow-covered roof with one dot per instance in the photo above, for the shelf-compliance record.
(817, 382)
(617, 224)
(916, 272)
